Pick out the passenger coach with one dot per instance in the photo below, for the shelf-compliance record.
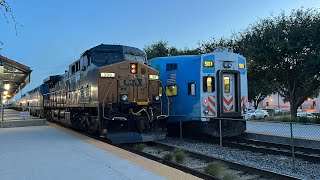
(202, 89)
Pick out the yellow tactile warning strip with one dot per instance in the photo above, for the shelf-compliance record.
(153, 166)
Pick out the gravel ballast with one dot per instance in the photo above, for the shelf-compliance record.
(274, 163)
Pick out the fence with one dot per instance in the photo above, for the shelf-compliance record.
(278, 133)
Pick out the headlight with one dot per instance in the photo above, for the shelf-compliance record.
(206, 111)
(227, 64)
(124, 97)
(156, 98)
(153, 77)
(107, 75)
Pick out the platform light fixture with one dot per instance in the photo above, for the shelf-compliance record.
(7, 86)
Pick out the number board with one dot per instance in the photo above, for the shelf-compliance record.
(241, 65)
(208, 63)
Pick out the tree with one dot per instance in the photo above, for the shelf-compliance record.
(6, 11)
(158, 49)
(259, 86)
(212, 44)
(286, 49)
(162, 49)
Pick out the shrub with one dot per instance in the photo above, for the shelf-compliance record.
(168, 157)
(139, 147)
(317, 120)
(304, 120)
(215, 169)
(159, 151)
(180, 155)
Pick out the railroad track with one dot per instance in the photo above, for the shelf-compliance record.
(242, 171)
(307, 154)
(257, 146)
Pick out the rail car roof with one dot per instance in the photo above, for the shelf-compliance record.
(53, 78)
(176, 58)
(124, 49)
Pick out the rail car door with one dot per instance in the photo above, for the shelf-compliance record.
(229, 93)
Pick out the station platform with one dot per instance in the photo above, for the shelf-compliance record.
(53, 152)
(13, 118)
(304, 135)
(299, 131)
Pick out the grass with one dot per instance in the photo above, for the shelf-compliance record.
(229, 176)
(168, 157)
(215, 169)
(139, 147)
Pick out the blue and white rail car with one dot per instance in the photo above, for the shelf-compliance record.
(203, 88)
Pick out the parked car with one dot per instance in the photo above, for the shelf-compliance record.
(306, 114)
(273, 111)
(258, 114)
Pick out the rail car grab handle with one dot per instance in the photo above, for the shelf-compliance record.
(162, 116)
(119, 118)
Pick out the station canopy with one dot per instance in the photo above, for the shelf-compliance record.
(13, 77)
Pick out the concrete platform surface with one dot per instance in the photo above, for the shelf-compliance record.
(43, 152)
(13, 118)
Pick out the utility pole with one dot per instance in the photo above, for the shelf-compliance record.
(2, 111)
(278, 100)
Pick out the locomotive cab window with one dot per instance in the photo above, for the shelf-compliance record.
(208, 84)
(172, 90)
(73, 69)
(226, 84)
(192, 88)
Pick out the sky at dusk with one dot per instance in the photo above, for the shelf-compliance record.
(53, 34)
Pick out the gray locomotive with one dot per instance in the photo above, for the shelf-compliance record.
(109, 91)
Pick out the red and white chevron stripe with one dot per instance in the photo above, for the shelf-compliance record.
(211, 106)
(228, 103)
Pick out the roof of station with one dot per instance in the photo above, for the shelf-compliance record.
(13, 73)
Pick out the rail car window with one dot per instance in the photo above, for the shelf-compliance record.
(170, 67)
(192, 88)
(73, 69)
(172, 90)
(208, 84)
(77, 66)
(88, 60)
(226, 84)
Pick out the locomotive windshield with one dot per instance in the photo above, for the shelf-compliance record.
(105, 57)
(102, 57)
(129, 56)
